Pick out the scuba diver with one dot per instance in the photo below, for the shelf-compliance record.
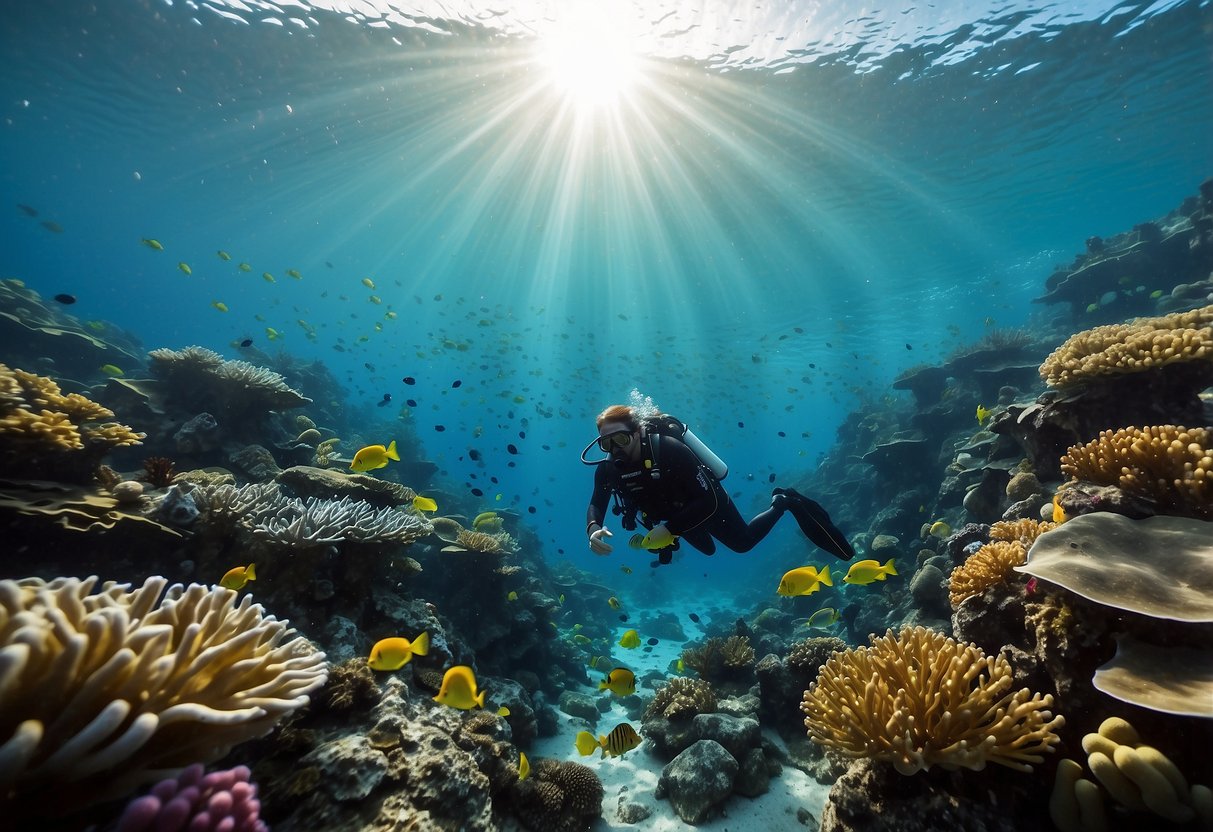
(665, 479)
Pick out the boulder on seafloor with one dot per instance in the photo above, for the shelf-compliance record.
(736, 736)
(697, 780)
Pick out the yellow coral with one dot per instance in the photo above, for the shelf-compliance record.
(918, 699)
(104, 689)
(1169, 465)
(1137, 345)
(1025, 531)
(34, 410)
(990, 565)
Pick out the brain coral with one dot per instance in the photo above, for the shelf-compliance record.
(558, 797)
(918, 699)
(1168, 465)
(106, 689)
(1140, 344)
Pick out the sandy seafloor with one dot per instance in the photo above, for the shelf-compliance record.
(637, 772)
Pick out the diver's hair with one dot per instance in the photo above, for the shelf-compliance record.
(619, 413)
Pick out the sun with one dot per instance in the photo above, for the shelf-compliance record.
(589, 55)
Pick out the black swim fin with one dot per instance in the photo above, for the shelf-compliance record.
(816, 524)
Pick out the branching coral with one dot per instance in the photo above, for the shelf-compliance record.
(105, 689)
(159, 471)
(918, 699)
(809, 654)
(992, 564)
(296, 522)
(1024, 531)
(736, 652)
(204, 378)
(1168, 465)
(682, 698)
(1140, 344)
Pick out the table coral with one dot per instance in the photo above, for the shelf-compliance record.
(106, 688)
(918, 699)
(1140, 344)
(1170, 466)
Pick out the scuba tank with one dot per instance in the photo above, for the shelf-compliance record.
(667, 425)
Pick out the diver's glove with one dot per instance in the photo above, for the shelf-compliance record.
(598, 544)
(658, 538)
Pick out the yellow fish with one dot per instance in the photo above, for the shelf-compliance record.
(622, 739)
(223, 255)
(484, 517)
(614, 603)
(294, 273)
(185, 267)
(866, 571)
(395, 653)
(823, 618)
(803, 581)
(595, 660)
(580, 639)
(272, 333)
(940, 529)
(657, 539)
(269, 278)
(374, 456)
(459, 689)
(238, 577)
(245, 267)
(220, 305)
(620, 681)
(983, 414)
(375, 299)
(511, 596)
(1059, 513)
(524, 767)
(368, 283)
(503, 711)
(112, 370)
(561, 598)
(391, 316)
(630, 640)
(152, 244)
(422, 503)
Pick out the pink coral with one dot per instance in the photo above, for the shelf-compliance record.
(222, 801)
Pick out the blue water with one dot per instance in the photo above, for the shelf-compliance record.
(784, 213)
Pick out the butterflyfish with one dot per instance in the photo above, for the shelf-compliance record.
(620, 681)
(375, 456)
(940, 529)
(395, 653)
(239, 576)
(622, 739)
(614, 603)
(459, 689)
(866, 571)
(630, 640)
(823, 618)
(803, 581)
(423, 503)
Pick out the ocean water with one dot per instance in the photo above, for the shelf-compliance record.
(781, 211)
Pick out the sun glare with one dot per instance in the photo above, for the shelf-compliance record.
(589, 54)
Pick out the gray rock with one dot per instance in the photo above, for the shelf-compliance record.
(177, 507)
(698, 779)
(752, 777)
(352, 767)
(128, 492)
(342, 641)
(737, 736)
(927, 589)
(197, 436)
(668, 738)
(579, 705)
(630, 811)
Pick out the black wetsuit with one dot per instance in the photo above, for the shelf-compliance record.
(686, 496)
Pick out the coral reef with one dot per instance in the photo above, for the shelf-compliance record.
(918, 699)
(45, 434)
(682, 698)
(307, 481)
(222, 801)
(1171, 467)
(293, 522)
(158, 471)
(994, 563)
(104, 689)
(559, 796)
(1024, 531)
(720, 659)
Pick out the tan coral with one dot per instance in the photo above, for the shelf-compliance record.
(682, 698)
(105, 688)
(34, 411)
(992, 564)
(919, 699)
(1169, 465)
(1140, 344)
(1025, 531)
(737, 652)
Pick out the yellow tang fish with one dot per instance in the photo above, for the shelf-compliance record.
(614, 603)
(940, 529)
(152, 244)
(459, 689)
(374, 456)
(185, 267)
(368, 283)
(395, 653)
(220, 305)
(238, 577)
(983, 414)
(223, 255)
(803, 581)
(503, 711)
(866, 571)
(630, 640)
(524, 767)
(423, 503)
(620, 681)
(112, 370)
(823, 618)
(622, 739)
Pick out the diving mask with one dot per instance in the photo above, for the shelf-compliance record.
(619, 439)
